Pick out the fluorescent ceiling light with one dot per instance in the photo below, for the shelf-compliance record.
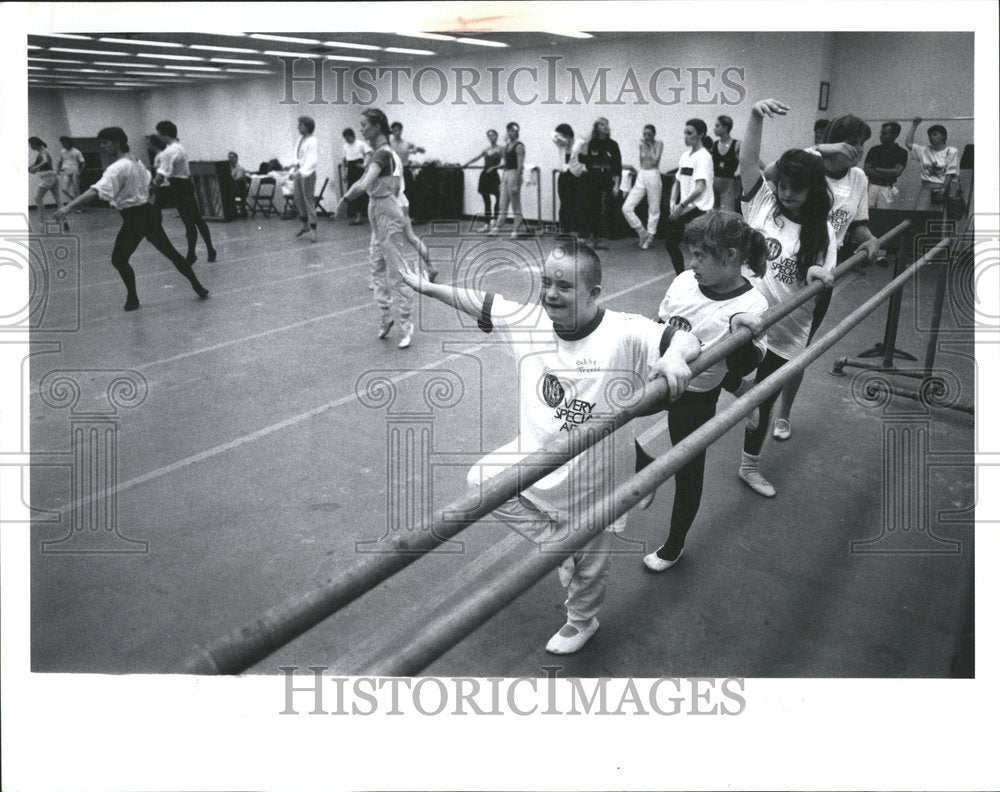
(160, 56)
(84, 71)
(349, 45)
(481, 42)
(431, 36)
(286, 39)
(570, 34)
(38, 68)
(88, 51)
(239, 61)
(56, 60)
(150, 75)
(135, 85)
(405, 51)
(66, 36)
(124, 63)
(213, 48)
(351, 58)
(193, 68)
(143, 42)
(34, 46)
(249, 71)
(284, 54)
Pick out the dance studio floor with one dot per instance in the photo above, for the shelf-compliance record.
(252, 470)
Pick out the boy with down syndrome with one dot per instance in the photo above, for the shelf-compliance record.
(572, 358)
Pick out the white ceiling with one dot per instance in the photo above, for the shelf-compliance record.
(131, 61)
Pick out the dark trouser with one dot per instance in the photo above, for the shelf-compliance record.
(187, 205)
(138, 223)
(596, 215)
(687, 414)
(571, 203)
(674, 233)
(489, 189)
(753, 439)
(359, 206)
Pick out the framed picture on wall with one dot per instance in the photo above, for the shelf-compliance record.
(824, 95)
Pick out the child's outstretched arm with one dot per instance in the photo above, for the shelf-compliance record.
(468, 300)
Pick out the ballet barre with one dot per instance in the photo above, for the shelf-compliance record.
(247, 645)
(904, 118)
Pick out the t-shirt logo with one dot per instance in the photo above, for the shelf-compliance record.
(773, 248)
(837, 218)
(687, 170)
(552, 390)
(679, 323)
(785, 271)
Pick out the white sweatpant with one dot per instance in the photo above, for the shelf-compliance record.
(648, 184)
(589, 567)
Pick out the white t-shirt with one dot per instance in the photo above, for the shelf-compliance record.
(71, 160)
(306, 154)
(174, 162)
(356, 151)
(563, 384)
(935, 165)
(691, 168)
(705, 313)
(788, 336)
(850, 201)
(124, 183)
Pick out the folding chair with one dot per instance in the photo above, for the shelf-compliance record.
(320, 209)
(263, 198)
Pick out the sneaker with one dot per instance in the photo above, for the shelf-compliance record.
(387, 324)
(132, 304)
(493, 230)
(656, 564)
(212, 255)
(407, 339)
(782, 429)
(755, 481)
(571, 638)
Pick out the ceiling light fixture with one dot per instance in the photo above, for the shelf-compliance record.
(143, 42)
(285, 39)
(74, 36)
(193, 68)
(431, 36)
(161, 56)
(89, 51)
(285, 54)
(350, 58)
(405, 51)
(239, 61)
(481, 42)
(570, 34)
(350, 45)
(213, 48)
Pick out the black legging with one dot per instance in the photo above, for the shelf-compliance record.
(489, 189)
(571, 203)
(355, 170)
(595, 215)
(753, 439)
(687, 414)
(674, 233)
(187, 205)
(138, 223)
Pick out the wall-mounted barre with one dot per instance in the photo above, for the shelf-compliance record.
(902, 118)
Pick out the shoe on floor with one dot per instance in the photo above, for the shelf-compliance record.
(387, 324)
(407, 339)
(571, 638)
(656, 564)
(756, 481)
(782, 429)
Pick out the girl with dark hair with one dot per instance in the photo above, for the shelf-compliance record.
(692, 193)
(571, 187)
(489, 179)
(48, 180)
(710, 300)
(725, 163)
(791, 209)
(510, 186)
(843, 142)
(125, 185)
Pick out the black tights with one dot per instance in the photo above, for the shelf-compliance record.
(674, 233)
(187, 205)
(491, 214)
(753, 439)
(138, 223)
(687, 414)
